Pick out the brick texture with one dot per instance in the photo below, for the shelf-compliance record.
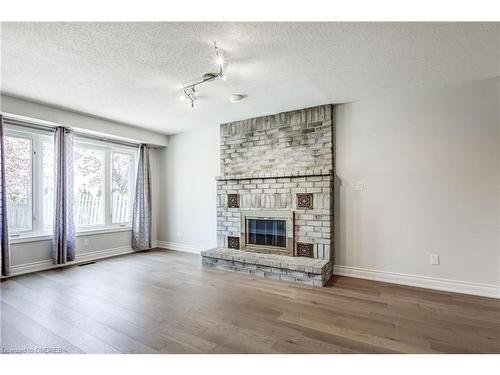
(310, 225)
(268, 160)
(301, 270)
(285, 142)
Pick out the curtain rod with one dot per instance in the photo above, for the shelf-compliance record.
(33, 124)
(104, 139)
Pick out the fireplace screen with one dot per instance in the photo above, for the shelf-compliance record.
(266, 232)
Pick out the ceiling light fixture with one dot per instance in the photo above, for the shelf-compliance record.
(219, 59)
(236, 98)
(189, 88)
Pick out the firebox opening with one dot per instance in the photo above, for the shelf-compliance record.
(266, 232)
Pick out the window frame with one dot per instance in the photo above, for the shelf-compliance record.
(110, 148)
(132, 174)
(37, 139)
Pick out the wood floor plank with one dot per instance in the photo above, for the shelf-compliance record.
(12, 341)
(53, 321)
(42, 337)
(71, 310)
(166, 302)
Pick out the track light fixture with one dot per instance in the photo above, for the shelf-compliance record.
(189, 88)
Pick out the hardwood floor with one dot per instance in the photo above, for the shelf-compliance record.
(165, 302)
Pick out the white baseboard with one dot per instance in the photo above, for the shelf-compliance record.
(100, 254)
(457, 286)
(79, 258)
(181, 247)
(448, 285)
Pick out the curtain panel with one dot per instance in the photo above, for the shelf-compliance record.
(63, 239)
(141, 215)
(4, 230)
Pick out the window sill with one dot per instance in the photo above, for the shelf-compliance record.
(30, 238)
(89, 232)
(80, 233)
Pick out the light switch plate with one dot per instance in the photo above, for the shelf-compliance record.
(434, 259)
(359, 185)
(86, 242)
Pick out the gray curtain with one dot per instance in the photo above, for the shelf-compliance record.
(141, 216)
(63, 239)
(4, 231)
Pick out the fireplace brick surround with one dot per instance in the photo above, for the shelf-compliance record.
(278, 162)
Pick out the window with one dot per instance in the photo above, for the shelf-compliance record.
(120, 187)
(29, 165)
(18, 181)
(89, 185)
(104, 176)
(103, 184)
(48, 184)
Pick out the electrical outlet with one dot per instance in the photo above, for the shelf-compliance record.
(86, 242)
(435, 259)
(180, 234)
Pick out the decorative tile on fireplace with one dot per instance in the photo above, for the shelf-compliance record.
(305, 200)
(233, 242)
(305, 250)
(233, 200)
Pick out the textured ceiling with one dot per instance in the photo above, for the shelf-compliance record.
(132, 72)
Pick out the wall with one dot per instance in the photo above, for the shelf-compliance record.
(188, 207)
(36, 255)
(429, 163)
(76, 120)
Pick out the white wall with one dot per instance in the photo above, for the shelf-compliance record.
(27, 253)
(76, 120)
(190, 163)
(430, 165)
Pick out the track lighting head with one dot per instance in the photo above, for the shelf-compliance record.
(219, 59)
(189, 89)
(207, 77)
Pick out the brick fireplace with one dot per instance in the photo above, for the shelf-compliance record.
(275, 193)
